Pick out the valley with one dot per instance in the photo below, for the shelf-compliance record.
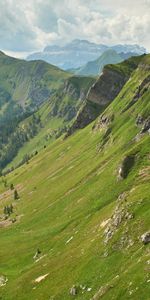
(82, 207)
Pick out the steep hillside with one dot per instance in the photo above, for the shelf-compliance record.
(51, 120)
(36, 99)
(28, 83)
(104, 91)
(94, 68)
(77, 226)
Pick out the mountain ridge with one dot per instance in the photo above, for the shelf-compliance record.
(37, 102)
(77, 53)
(110, 56)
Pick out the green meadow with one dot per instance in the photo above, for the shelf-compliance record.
(68, 195)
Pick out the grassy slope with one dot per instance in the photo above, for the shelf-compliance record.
(18, 77)
(43, 137)
(52, 123)
(32, 83)
(68, 190)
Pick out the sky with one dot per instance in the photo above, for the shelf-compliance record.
(28, 26)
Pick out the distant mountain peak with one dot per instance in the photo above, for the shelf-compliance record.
(79, 52)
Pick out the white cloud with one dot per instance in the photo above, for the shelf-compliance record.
(32, 24)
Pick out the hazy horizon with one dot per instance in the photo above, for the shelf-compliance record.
(30, 26)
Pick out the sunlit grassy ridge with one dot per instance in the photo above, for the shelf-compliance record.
(67, 193)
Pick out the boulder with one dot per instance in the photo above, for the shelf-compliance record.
(145, 237)
(126, 166)
(146, 126)
(3, 280)
(73, 291)
(139, 120)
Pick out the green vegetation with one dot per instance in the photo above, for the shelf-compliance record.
(86, 221)
(36, 103)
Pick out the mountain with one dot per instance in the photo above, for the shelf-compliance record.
(28, 83)
(37, 102)
(104, 91)
(94, 68)
(79, 225)
(79, 52)
(134, 48)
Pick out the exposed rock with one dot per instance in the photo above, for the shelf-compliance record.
(129, 216)
(85, 115)
(73, 291)
(3, 280)
(145, 84)
(126, 166)
(139, 120)
(37, 254)
(104, 91)
(145, 238)
(102, 291)
(72, 87)
(146, 126)
(107, 86)
(141, 89)
(120, 215)
(40, 278)
(122, 197)
(103, 122)
(14, 220)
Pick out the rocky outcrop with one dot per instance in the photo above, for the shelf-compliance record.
(102, 92)
(103, 122)
(142, 88)
(85, 115)
(107, 86)
(77, 87)
(139, 92)
(122, 213)
(67, 101)
(146, 126)
(139, 120)
(145, 238)
(73, 291)
(3, 280)
(126, 166)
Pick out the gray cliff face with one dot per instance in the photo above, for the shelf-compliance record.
(107, 87)
(103, 91)
(87, 113)
(98, 97)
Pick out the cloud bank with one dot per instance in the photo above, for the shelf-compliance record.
(32, 24)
